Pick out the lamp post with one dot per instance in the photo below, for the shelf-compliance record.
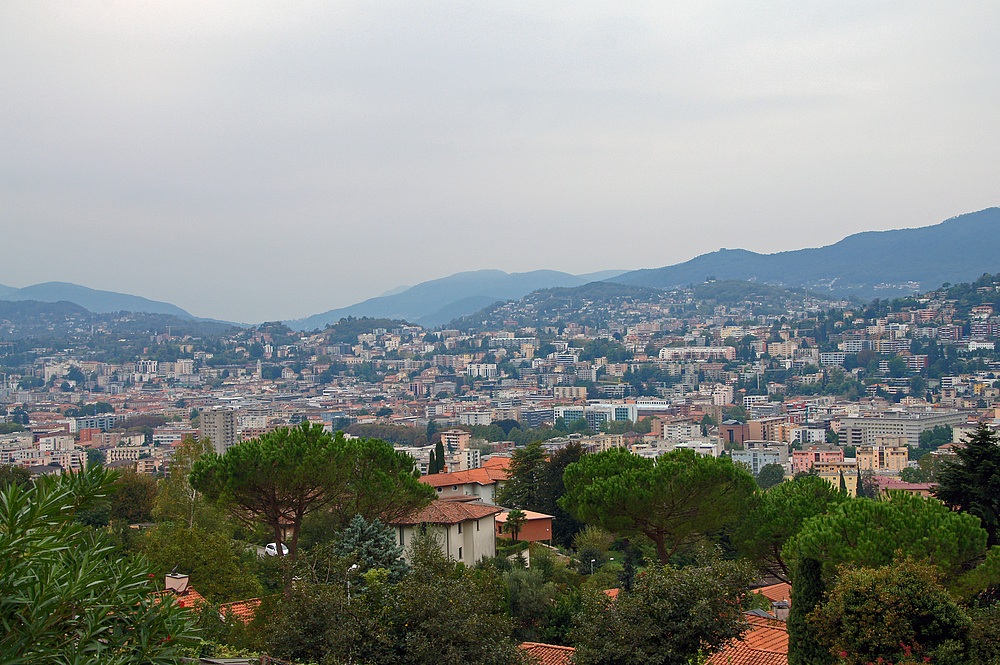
(592, 566)
(348, 576)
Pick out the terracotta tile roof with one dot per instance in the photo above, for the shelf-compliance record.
(765, 643)
(448, 512)
(547, 654)
(241, 609)
(189, 598)
(776, 592)
(611, 593)
(481, 476)
(499, 462)
(531, 515)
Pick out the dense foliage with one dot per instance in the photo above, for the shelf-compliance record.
(66, 594)
(672, 500)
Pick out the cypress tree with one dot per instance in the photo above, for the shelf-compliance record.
(432, 464)
(843, 483)
(439, 450)
(807, 593)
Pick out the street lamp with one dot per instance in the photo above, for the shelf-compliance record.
(592, 566)
(348, 576)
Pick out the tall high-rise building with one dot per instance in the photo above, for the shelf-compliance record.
(219, 425)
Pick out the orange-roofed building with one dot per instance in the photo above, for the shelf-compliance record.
(537, 528)
(465, 529)
(547, 654)
(497, 462)
(764, 643)
(483, 483)
(243, 610)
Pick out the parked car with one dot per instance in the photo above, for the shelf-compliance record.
(271, 549)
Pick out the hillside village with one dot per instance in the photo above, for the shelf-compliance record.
(873, 398)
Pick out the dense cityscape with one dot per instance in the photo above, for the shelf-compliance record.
(874, 401)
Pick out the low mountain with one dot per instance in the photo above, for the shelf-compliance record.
(20, 319)
(93, 300)
(589, 303)
(867, 265)
(438, 301)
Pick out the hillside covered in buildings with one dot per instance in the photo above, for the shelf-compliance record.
(785, 402)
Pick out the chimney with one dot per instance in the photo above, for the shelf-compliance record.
(177, 583)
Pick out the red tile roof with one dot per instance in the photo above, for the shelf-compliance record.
(448, 512)
(189, 598)
(776, 592)
(242, 609)
(481, 476)
(530, 514)
(547, 654)
(499, 462)
(765, 643)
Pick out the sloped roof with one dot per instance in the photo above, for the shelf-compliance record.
(189, 598)
(547, 654)
(765, 643)
(481, 476)
(776, 592)
(530, 514)
(448, 512)
(497, 462)
(242, 609)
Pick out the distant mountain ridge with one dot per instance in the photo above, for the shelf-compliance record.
(438, 301)
(93, 300)
(872, 264)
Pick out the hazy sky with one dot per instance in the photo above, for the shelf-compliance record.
(262, 160)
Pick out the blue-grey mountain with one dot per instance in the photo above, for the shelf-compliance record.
(873, 264)
(440, 300)
(93, 300)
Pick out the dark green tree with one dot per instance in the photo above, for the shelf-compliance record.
(894, 613)
(525, 478)
(14, 475)
(673, 500)
(971, 483)
(777, 515)
(133, 497)
(667, 618)
(869, 533)
(371, 545)
(564, 525)
(804, 647)
(440, 457)
(220, 568)
(770, 475)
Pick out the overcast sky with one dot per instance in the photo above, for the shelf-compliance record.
(255, 161)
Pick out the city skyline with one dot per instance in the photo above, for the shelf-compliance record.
(251, 162)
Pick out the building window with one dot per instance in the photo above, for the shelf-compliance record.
(459, 553)
(477, 525)
(460, 530)
(401, 543)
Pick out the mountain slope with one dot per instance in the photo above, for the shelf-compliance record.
(94, 300)
(869, 264)
(438, 301)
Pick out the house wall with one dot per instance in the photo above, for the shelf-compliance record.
(467, 541)
(485, 492)
(533, 530)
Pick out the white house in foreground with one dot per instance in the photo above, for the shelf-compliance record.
(465, 528)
